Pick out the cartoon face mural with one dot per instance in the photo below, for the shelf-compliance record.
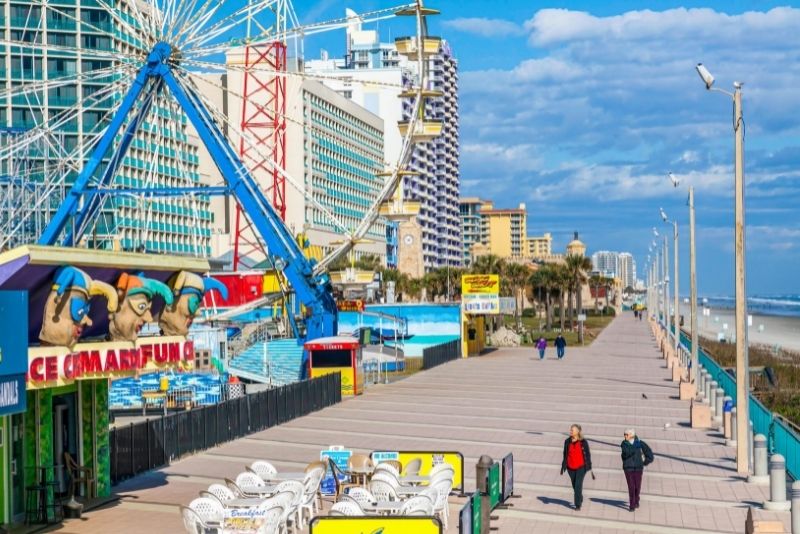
(136, 295)
(188, 290)
(66, 312)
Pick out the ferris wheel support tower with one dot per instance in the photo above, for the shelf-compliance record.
(264, 121)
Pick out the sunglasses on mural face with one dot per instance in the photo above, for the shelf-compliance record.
(78, 309)
(194, 303)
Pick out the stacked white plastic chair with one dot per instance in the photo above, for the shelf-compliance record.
(346, 509)
(291, 516)
(418, 505)
(263, 469)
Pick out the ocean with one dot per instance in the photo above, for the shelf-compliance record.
(779, 305)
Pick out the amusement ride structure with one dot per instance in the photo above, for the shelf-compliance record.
(153, 91)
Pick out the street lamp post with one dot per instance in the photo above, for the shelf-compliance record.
(693, 283)
(666, 287)
(676, 304)
(742, 357)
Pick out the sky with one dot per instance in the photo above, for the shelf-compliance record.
(580, 109)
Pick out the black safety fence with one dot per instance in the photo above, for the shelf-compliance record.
(151, 444)
(439, 354)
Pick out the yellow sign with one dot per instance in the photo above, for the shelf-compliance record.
(59, 366)
(480, 284)
(375, 525)
(429, 459)
(347, 377)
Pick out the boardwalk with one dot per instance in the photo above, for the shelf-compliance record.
(503, 402)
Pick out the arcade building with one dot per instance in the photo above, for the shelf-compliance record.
(69, 323)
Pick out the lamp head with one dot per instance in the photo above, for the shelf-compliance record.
(706, 76)
(663, 215)
(655, 232)
(674, 179)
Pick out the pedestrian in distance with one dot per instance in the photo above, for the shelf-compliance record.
(577, 462)
(640, 314)
(561, 345)
(635, 456)
(541, 345)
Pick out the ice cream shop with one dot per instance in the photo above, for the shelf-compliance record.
(70, 321)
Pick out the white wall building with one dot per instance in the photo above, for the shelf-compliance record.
(334, 151)
(437, 185)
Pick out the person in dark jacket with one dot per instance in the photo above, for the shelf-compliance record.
(635, 455)
(577, 461)
(560, 344)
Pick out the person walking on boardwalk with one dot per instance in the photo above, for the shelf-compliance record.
(577, 461)
(561, 345)
(635, 455)
(541, 345)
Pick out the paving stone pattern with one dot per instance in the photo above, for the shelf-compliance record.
(505, 401)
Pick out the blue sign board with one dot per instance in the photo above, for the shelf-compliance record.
(13, 350)
(340, 458)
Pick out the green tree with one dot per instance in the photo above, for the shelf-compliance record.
(561, 282)
(577, 267)
(516, 276)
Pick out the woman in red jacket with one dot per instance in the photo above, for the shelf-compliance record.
(577, 461)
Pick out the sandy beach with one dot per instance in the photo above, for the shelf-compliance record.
(766, 329)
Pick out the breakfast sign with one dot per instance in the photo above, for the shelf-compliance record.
(52, 366)
(480, 293)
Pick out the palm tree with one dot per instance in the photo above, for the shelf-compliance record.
(596, 281)
(515, 276)
(578, 266)
(561, 282)
(546, 279)
(488, 264)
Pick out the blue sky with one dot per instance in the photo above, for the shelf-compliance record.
(579, 109)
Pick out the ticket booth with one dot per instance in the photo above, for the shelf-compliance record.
(343, 354)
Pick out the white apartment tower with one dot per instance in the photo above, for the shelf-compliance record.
(437, 184)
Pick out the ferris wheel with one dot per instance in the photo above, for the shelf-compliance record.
(72, 68)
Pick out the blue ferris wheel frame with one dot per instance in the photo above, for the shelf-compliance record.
(83, 201)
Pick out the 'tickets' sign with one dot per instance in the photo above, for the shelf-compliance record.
(58, 366)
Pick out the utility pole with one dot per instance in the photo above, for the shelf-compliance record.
(693, 283)
(677, 310)
(666, 287)
(742, 356)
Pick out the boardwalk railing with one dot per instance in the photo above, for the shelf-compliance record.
(439, 354)
(140, 447)
(781, 437)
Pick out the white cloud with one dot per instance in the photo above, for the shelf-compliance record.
(606, 106)
(485, 27)
(555, 26)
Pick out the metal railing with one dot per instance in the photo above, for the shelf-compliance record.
(439, 354)
(782, 436)
(151, 444)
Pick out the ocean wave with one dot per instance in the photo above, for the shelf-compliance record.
(782, 305)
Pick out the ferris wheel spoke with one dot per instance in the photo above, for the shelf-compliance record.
(121, 21)
(183, 19)
(52, 123)
(29, 48)
(226, 24)
(81, 22)
(53, 83)
(284, 74)
(296, 32)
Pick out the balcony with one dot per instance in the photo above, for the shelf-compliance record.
(424, 130)
(61, 24)
(408, 46)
